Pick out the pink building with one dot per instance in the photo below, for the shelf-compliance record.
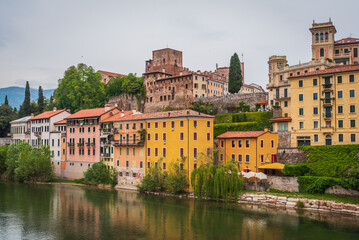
(83, 139)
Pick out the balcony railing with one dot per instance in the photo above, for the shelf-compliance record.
(90, 144)
(81, 144)
(129, 142)
(327, 115)
(327, 85)
(107, 155)
(38, 134)
(71, 144)
(104, 143)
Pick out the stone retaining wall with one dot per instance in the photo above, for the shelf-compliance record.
(291, 155)
(309, 204)
(282, 183)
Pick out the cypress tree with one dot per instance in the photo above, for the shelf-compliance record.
(40, 101)
(235, 80)
(26, 104)
(6, 101)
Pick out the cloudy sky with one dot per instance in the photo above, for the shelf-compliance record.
(40, 39)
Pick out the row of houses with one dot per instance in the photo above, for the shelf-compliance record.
(131, 142)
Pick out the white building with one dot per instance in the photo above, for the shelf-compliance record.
(20, 129)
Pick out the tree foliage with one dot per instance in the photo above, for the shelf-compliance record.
(25, 108)
(80, 88)
(207, 108)
(6, 101)
(7, 114)
(235, 80)
(41, 101)
(98, 173)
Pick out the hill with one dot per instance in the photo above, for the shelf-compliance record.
(16, 95)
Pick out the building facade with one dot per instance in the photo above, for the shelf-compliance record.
(251, 149)
(20, 129)
(107, 76)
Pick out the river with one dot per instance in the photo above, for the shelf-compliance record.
(31, 211)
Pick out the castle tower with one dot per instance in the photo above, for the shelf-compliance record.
(165, 60)
(323, 40)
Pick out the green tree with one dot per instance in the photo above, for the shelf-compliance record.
(6, 101)
(235, 80)
(80, 88)
(41, 101)
(25, 108)
(3, 151)
(6, 115)
(177, 180)
(100, 174)
(207, 108)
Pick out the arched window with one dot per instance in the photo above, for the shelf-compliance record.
(164, 60)
(317, 37)
(326, 36)
(328, 140)
(322, 52)
(321, 36)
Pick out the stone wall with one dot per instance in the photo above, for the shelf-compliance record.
(281, 183)
(284, 139)
(291, 155)
(126, 102)
(222, 101)
(338, 190)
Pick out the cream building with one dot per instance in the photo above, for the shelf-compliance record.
(20, 129)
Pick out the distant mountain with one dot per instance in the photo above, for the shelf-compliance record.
(16, 95)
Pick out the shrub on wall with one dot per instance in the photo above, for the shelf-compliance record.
(316, 185)
(261, 118)
(218, 129)
(300, 169)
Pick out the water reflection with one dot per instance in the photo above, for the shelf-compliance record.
(69, 212)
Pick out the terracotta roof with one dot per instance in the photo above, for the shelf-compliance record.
(47, 114)
(262, 102)
(86, 113)
(348, 40)
(159, 115)
(117, 116)
(242, 134)
(285, 119)
(111, 74)
(61, 122)
(24, 119)
(336, 69)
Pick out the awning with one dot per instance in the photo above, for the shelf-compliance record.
(272, 166)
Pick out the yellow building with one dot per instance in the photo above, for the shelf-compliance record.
(251, 149)
(324, 107)
(167, 138)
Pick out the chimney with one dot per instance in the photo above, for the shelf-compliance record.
(54, 109)
(122, 113)
(107, 107)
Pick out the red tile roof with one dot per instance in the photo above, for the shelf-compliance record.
(285, 119)
(47, 114)
(336, 69)
(348, 40)
(117, 116)
(262, 102)
(242, 134)
(111, 74)
(159, 115)
(86, 113)
(60, 122)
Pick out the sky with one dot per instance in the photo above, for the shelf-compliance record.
(40, 39)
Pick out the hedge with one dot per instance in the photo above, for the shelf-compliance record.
(318, 185)
(262, 118)
(218, 129)
(299, 169)
(333, 160)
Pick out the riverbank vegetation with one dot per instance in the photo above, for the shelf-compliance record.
(22, 162)
(98, 173)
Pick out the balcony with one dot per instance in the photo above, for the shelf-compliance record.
(105, 143)
(105, 155)
(71, 144)
(109, 131)
(327, 85)
(9, 134)
(327, 115)
(90, 144)
(81, 144)
(38, 134)
(130, 142)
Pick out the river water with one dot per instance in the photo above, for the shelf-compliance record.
(30, 211)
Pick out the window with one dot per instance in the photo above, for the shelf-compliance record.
(272, 144)
(247, 158)
(262, 158)
(352, 108)
(148, 137)
(322, 49)
(156, 136)
(194, 136)
(315, 124)
(340, 79)
(181, 152)
(247, 143)
(94, 152)
(233, 157)
(351, 93)
(208, 123)
(352, 123)
(208, 136)
(286, 104)
(315, 82)
(127, 163)
(340, 109)
(141, 164)
(149, 152)
(351, 78)
(164, 124)
(221, 158)
(127, 151)
(355, 52)
(164, 152)
(315, 137)
(239, 143)
(164, 166)
(148, 125)
(340, 94)
(340, 138)
(315, 96)
(195, 153)
(300, 83)
(156, 152)
(301, 112)
(340, 123)
(301, 125)
(301, 97)
(148, 164)
(262, 143)
(134, 151)
(239, 157)
(156, 124)
(173, 124)
(195, 166)
(164, 136)
(181, 136)
(315, 110)
(352, 137)
(222, 143)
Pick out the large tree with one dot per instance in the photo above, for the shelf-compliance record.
(6, 115)
(235, 80)
(80, 88)
(41, 101)
(25, 108)
(129, 84)
(6, 101)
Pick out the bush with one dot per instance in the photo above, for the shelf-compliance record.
(261, 118)
(332, 161)
(300, 204)
(177, 180)
(98, 173)
(316, 185)
(218, 129)
(3, 150)
(154, 180)
(299, 169)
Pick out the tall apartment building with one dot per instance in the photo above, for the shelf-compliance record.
(20, 129)
(83, 139)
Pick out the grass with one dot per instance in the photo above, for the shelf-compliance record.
(327, 197)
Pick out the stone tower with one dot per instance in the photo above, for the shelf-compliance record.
(323, 40)
(165, 60)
